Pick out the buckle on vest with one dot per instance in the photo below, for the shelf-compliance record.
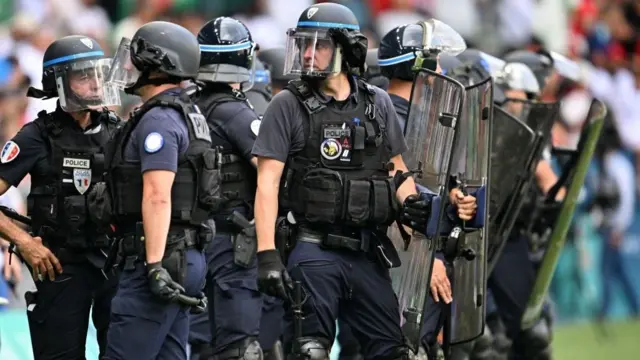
(370, 111)
(313, 105)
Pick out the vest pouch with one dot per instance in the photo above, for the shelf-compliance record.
(357, 202)
(210, 181)
(43, 208)
(321, 196)
(75, 215)
(382, 202)
(99, 208)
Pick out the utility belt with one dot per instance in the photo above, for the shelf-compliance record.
(130, 248)
(324, 196)
(374, 242)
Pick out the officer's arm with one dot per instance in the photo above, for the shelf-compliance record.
(546, 178)
(266, 206)
(156, 211)
(8, 229)
(409, 186)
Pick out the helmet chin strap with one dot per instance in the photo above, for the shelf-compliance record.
(144, 80)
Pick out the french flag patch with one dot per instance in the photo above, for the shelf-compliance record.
(10, 151)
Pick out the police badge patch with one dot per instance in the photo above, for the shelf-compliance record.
(330, 149)
(255, 127)
(10, 152)
(82, 180)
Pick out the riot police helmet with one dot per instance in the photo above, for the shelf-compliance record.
(326, 41)
(517, 81)
(426, 39)
(540, 62)
(448, 63)
(74, 69)
(227, 51)
(159, 53)
(273, 60)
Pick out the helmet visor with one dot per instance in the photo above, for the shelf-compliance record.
(81, 85)
(565, 67)
(123, 73)
(311, 53)
(517, 76)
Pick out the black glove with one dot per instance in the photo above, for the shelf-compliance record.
(201, 307)
(161, 283)
(415, 212)
(354, 46)
(273, 278)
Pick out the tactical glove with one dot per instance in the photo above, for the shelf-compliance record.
(161, 283)
(415, 212)
(273, 278)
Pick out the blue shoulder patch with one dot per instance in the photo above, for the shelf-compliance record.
(153, 142)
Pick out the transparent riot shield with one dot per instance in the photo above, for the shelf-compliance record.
(436, 106)
(572, 178)
(514, 147)
(472, 158)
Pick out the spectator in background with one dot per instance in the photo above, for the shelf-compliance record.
(616, 183)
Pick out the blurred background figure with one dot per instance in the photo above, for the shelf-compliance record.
(595, 277)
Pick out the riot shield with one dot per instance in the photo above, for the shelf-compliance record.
(515, 149)
(472, 158)
(436, 106)
(572, 178)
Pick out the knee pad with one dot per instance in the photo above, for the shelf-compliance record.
(311, 348)
(247, 349)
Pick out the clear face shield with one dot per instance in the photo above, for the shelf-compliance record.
(123, 73)
(521, 89)
(311, 53)
(565, 67)
(436, 38)
(81, 86)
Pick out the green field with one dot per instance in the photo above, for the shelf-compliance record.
(587, 342)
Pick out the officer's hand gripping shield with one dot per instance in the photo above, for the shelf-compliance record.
(472, 164)
(430, 132)
(572, 178)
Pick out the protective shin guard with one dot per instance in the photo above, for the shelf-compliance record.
(247, 349)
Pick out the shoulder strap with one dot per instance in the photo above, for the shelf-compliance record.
(303, 92)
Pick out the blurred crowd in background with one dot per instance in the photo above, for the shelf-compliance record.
(604, 35)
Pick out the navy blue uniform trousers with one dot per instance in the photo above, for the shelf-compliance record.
(351, 287)
(145, 327)
(235, 304)
(58, 313)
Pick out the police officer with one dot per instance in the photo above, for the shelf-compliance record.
(162, 184)
(396, 56)
(337, 136)
(63, 152)
(273, 60)
(226, 63)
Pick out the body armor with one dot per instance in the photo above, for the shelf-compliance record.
(57, 203)
(195, 190)
(341, 176)
(238, 176)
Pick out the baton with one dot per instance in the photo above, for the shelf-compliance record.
(12, 214)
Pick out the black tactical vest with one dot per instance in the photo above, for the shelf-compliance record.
(57, 203)
(342, 175)
(195, 190)
(237, 174)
